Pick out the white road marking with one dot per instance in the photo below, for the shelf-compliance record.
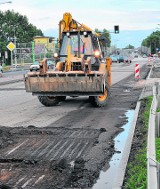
(39, 179)
(17, 147)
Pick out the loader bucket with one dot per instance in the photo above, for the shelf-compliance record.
(65, 83)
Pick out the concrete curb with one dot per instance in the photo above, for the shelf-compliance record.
(118, 183)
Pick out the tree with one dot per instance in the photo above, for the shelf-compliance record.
(14, 26)
(105, 33)
(17, 25)
(152, 41)
(129, 47)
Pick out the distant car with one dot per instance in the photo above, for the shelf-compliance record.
(136, 56)
(50, 64)
(155, 55)
(114, 58)
(35, 66)
(144, 56)
(124, 59)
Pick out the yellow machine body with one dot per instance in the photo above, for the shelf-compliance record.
(80, 69)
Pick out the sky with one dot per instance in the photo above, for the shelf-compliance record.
(137, 19)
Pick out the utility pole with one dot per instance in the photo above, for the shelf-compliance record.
(15, 51)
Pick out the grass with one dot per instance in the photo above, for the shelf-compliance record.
(158, 149)
(5, 67)
(158, 110)
(137, 168)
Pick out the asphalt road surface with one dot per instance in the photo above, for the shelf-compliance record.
(64, 146)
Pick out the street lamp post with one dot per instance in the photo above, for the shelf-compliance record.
(14, 40)
(141, 47)
(6, 2)
(15, 51)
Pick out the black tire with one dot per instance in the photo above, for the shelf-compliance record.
(62, 98)
(49, 100)
(100, 101)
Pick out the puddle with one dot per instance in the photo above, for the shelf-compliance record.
(107, 177)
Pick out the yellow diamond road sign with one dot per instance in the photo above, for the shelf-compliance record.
(11, 46)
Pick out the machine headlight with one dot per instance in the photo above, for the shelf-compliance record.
(68, 34)
(97, 54)
(85, 33)
(55, 55)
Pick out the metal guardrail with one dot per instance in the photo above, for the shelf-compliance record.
(152, 164)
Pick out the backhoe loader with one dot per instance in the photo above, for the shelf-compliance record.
(81, 69)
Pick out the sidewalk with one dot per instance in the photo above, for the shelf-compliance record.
(9, 78)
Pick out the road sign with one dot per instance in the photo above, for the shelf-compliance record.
(11, 46)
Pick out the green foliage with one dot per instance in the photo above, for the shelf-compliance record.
(158, 149)
(137, 169)
(152, 41)
(158, 110)
(13, 24)
(129, 47)
(17, 25)
(106, 34)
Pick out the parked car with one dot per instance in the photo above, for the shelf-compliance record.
(144, 56)
(34, 66)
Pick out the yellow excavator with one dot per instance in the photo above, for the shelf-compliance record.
(81, 69)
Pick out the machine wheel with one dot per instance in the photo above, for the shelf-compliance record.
(100, 101)
(49, 100)
(62, 98)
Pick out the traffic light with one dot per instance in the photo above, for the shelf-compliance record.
(116, 29)
(1, 33)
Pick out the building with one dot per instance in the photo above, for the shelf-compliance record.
(44, 46)
(48, 42)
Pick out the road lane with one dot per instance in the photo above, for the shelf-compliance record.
(18, 108)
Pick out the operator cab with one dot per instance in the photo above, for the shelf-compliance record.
(82, 44)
